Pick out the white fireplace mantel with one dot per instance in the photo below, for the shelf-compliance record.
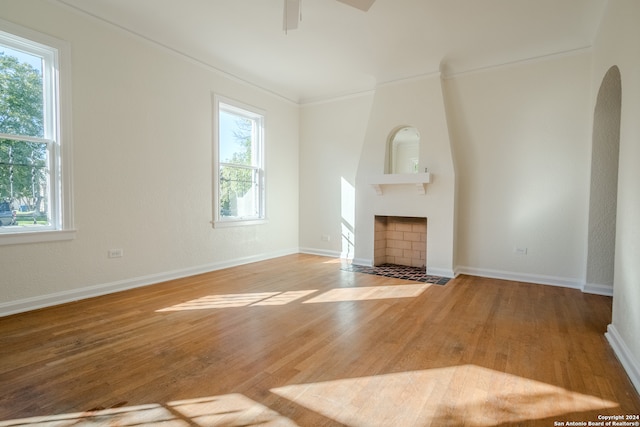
(418, 180)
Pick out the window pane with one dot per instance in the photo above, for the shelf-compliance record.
(24, 183)
(21, 102)
(236, 139)
(239, 192)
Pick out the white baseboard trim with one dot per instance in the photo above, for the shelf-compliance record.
(320, 252)
(33, 303)
(521, 277)
(620, 348)
(441, 272)
(597, 289)
(363, 262)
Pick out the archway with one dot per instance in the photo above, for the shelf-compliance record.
(604, 185)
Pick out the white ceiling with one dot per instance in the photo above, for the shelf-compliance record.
(339, 50)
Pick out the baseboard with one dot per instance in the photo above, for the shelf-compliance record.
(320, 252)
(624, 355)
(441, 272)
(34, 303)
(363, 262)
(594, 288)
(521, 277)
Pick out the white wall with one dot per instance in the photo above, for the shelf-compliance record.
(142, 135)
(617, 44)
(521, 143)
(332, 135)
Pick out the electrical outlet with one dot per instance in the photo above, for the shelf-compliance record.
(115, 253)
(520, 251)
(326, 238)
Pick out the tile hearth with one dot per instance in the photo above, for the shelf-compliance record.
(416, 274)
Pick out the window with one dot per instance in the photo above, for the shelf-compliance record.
(239, 196)
(34, 177)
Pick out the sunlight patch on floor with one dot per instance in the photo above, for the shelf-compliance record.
(369, 293)
(282, 298)
(239, 300)
(467, 394)
(285, 297)
(226, 410)
(221, 301)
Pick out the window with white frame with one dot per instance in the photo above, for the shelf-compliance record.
(239, 181)
(34, 196)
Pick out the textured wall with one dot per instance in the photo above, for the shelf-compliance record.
(617, 45)
(604, 181)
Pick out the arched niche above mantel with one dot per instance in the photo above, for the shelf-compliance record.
(403, 151)
(402, 162)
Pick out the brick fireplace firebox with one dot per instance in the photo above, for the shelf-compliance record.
(400, 240)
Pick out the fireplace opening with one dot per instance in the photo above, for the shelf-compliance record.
(400, 240)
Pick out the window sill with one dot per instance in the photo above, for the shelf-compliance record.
(36, 237)
(238, 223)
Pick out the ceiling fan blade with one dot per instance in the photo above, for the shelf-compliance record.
(291, 14)
(363, 5)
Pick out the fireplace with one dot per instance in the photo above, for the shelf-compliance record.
(400, 240)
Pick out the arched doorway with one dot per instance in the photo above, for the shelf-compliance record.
(604, 185)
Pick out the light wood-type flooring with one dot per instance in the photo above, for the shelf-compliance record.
(297, 341)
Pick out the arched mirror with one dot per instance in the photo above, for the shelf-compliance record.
(404, 150)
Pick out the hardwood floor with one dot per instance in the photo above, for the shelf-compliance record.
(297, 341)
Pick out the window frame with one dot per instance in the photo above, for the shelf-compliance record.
(57, 132)
(223, 104)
